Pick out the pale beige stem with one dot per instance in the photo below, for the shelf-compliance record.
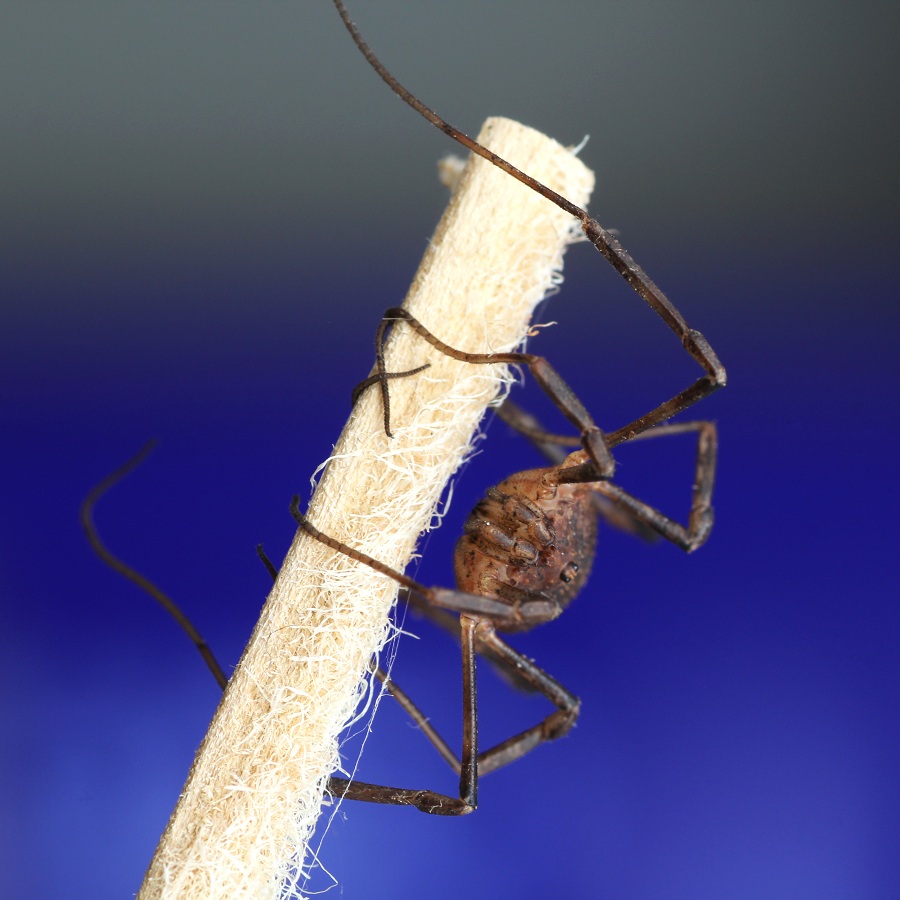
(255, 790)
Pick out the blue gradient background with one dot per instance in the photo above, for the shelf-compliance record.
(206, 207)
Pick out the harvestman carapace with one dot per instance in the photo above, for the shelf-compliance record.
(528, 545)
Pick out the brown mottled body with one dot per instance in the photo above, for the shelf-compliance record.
(528, 536)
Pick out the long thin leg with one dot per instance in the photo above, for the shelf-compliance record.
(135, 577)
(426, 801)
(700, 519)
(468, 776)
(381, 376)
(434, 802)
(548, 442)
(607, 245)
(550, 728)
(418, 717)
(592, 438)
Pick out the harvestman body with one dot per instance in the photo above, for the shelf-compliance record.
(528, 545)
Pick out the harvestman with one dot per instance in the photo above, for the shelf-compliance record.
(528, 546)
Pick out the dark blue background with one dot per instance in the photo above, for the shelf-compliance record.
(205, 212)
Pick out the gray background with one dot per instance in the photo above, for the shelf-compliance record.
(166, 130)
